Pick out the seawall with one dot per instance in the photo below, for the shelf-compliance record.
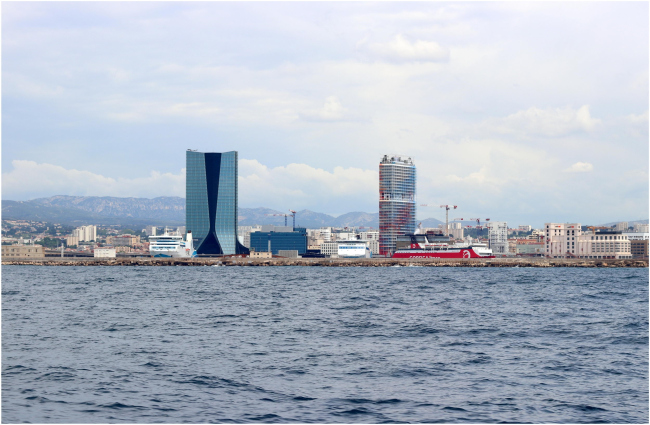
(327, 262)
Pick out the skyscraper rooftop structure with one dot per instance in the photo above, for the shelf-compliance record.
(211, 208)
(397, 178)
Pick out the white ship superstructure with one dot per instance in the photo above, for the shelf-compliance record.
(171, 245)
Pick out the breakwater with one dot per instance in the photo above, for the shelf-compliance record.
(328, 262)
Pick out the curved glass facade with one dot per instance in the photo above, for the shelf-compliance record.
(397, 180)
(211, 202)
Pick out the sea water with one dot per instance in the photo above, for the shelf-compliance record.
(326, 345)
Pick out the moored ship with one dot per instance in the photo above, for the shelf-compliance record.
(421, 247)
(171, 245)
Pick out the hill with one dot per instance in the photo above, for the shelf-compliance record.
(161, 211)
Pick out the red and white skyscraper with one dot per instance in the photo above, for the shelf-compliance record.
(396, 200)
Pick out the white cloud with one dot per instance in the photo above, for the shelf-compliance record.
(296, 186)
(401, 49)
(29, 180)
(546, 122)
(332, 110)
(580, 167)
(300, 186)
(638, 119)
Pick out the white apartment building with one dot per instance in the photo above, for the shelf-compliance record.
(369, 235)
(641, 228)
(498, 237)
(85, 233)
(244, 234)
(329, 249)
(374, 246)
(621, 227)
(524, 228)
(456, 230)
(566, 240)
(326, 233)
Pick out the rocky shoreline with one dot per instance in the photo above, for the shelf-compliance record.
(327, 262)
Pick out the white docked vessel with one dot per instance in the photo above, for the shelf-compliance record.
(171, 245)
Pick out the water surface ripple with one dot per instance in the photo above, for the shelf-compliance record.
(326, 345)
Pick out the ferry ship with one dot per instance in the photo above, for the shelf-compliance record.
(420, 247)
(171, 245)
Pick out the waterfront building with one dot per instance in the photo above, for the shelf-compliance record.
(329, 249)
(275, 238)
(397, 179)
(22, 251)
(566, 240)
(288, 253)
(498, 237)
(353, 248)
(104, 253)
(211, 208)
(639, 242)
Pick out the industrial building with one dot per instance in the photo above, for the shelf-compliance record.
(397, 178)
(211, 207)
(279, 238)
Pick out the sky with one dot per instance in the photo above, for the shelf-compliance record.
(525, 112)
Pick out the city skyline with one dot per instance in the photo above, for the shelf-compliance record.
(521, 112)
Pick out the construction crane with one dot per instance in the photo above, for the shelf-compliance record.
(280, 215)
(593, 228)
(293, 214)
(447, 208)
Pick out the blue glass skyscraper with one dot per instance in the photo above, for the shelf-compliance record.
(211, 202)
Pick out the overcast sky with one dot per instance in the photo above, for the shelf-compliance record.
(522, 112)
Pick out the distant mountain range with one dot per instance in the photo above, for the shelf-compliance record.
(161, 211)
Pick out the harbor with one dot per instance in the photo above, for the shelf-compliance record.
(235, 261)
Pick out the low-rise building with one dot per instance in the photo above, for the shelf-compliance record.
(22, 251)
(254, 254)
(275, 238)
(104, 253)
(123, 240)
(329, 249)
(354, 248)
(288, 253)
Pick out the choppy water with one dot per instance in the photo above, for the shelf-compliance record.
(351, 345)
